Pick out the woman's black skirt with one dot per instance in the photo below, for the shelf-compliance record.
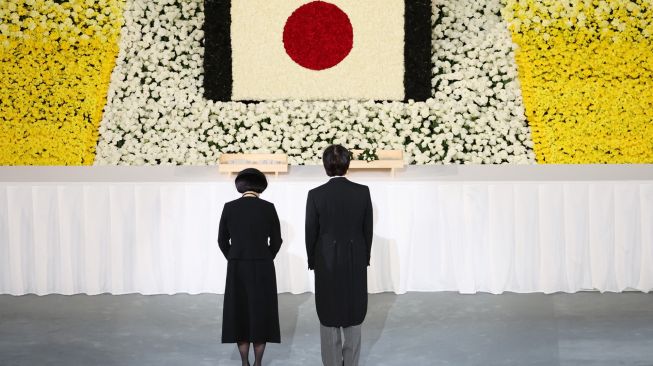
(251, 311)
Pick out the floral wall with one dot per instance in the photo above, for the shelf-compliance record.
(114, 82)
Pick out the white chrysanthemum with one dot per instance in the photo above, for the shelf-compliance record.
(156, 112)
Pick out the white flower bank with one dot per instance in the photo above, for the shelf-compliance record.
(156, 112)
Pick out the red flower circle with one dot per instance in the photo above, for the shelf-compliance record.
(318, 35)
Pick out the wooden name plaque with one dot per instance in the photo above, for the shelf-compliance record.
(387, 159)
(266, 163)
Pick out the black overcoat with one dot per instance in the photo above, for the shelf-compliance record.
(338, 245)
(250, 237)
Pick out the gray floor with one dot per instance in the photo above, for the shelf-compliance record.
(410, 329)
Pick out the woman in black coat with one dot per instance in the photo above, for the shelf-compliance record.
(250, 237)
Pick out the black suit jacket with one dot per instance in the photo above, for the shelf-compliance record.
(338, 232)
(246, 225)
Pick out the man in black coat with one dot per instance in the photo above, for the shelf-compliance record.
(338, 244)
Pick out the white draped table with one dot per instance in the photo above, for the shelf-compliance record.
(153, 230)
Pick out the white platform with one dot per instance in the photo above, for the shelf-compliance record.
(153, 230)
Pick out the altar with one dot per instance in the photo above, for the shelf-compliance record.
(153, 230)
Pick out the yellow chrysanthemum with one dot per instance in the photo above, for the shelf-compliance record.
(586, 69)
(55, 62)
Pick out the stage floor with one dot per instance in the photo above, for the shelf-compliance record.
(411, 329)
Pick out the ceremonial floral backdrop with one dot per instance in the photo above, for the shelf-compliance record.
(578, 75)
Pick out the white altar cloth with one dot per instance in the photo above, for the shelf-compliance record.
(153, 230)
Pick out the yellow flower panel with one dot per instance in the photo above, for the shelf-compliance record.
(55, 66)
(596, 107)
(586, 70)
(52, 101)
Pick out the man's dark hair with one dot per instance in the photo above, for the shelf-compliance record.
(336, 160)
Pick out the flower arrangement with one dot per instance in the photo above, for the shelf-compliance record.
(156, 112)
(367, 155)
(586, 69)
(56, 59)
(584, 72)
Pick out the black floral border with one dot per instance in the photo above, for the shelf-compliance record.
(417, 50)
(218, 79)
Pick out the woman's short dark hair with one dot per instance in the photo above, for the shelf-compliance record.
(251, 179)
(336, 160)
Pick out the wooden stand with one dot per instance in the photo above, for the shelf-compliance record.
(388, 159)
(266, 163)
